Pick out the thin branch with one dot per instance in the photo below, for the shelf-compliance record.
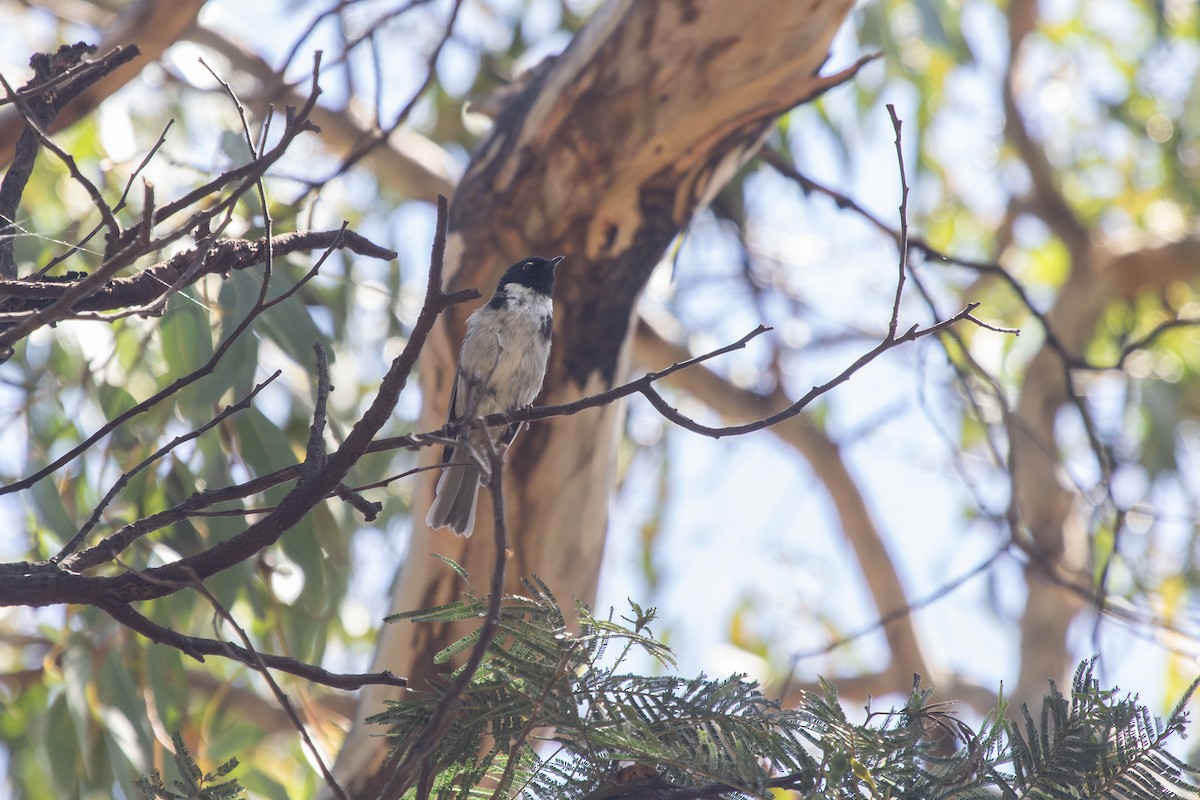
(80, 73)
(107, 549)
(780, 164)
(379, 137)
(1145, 341)
(198, 647)
(57, 79)
(144, 291)
(112, 546)
(314, 453)
(947, 588)
(36, 126)
(411, 164)
(903, 243)
(448, 433)
(46, 584)
(644, 386)
(123, 249)
(118, 206)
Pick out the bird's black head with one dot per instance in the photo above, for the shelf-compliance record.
(535, 273)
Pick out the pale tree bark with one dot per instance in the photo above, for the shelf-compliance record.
(604, 156)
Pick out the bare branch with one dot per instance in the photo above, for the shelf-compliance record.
(411, 164)
(314, 453)
(379, 137)
(46, 584)
(34, 125)
(824, 456)
(198, 647)
(903, 243)
(142, 292)
(56, 80)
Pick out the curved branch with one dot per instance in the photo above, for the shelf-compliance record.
(122, 481)
(824, 457)
(235, 254)
(198, 647)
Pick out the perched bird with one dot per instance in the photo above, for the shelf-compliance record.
(500, 368)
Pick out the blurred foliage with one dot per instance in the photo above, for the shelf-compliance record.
(1110, 90)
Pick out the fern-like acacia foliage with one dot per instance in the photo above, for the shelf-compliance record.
(553, 713)
(193, 782)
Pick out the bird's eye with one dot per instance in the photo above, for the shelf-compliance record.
(527, 265)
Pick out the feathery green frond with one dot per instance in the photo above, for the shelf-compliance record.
(193, 783)
(551, 714)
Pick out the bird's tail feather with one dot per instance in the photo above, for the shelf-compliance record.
(454, 500)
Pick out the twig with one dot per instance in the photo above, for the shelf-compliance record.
(314, 454)
(903, 243)
(297, 123)
(1145, 341)
(198, 647)
(448, 433)
(942, 591)
(79, 76)
(120, 204)
(63, 75)
(142, 292)
(381, 136)
(48, 585)
(34, 124)
(644, 386)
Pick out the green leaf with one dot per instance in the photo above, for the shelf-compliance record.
(263, 446)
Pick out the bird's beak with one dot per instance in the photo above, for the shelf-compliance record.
(554, 262)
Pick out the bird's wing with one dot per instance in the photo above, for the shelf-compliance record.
(452, 415)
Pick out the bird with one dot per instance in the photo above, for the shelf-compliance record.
(501, 366)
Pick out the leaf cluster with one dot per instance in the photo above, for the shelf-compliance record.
(194, 783)
(553, 712)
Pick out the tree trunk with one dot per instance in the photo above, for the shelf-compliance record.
(604, 155)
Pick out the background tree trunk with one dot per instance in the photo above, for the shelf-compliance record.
(604, 156)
